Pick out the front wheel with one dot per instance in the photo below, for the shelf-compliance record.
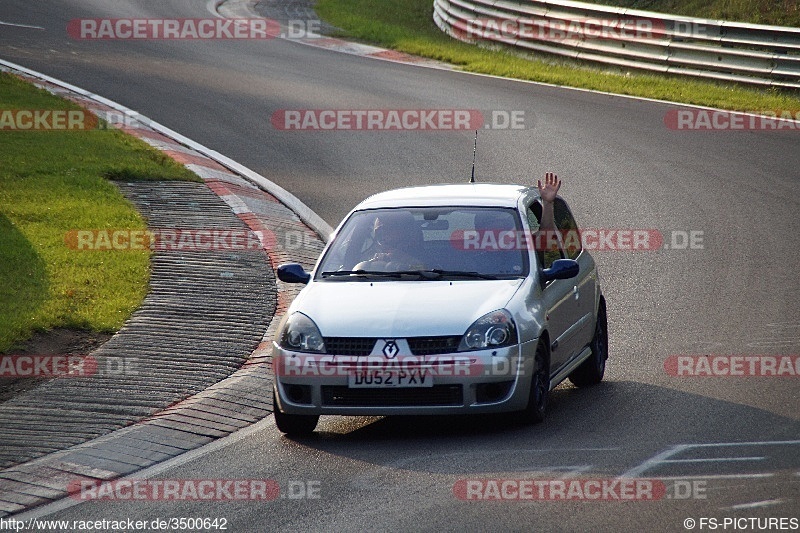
(540, 387)
(592, 370)
(293, 424)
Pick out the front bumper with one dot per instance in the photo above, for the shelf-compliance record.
(485, 381)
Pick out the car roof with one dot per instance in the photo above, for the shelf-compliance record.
(461, 194)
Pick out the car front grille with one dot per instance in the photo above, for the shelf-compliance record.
(433, 345)
(418, 345)
(349, 345)
(438, 395)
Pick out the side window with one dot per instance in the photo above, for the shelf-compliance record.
(568, 228)
(534, 213)
(547, 249)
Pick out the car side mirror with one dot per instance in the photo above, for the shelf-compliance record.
(561, 269)
(293, 273)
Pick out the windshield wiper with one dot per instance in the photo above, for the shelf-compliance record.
(376, 273)
(437, 273)
(431, 274)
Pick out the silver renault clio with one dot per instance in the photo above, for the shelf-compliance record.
(440, 300)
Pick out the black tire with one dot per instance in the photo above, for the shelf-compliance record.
(592, 370)
(297, 425)
(540, 387)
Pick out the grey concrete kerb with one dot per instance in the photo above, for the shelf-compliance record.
(236, 196)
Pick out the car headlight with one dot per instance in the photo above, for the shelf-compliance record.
(300, 334)
(492, 330)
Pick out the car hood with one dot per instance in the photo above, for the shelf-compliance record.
(401, 308)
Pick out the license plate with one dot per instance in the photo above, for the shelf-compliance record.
(389, 378)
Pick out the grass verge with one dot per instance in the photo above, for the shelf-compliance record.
(52, 182)
(407, 26)
(773, 12)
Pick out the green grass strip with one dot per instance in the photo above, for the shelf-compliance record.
(772, 12)
(52, 182)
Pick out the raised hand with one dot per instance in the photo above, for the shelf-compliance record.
(549, 189)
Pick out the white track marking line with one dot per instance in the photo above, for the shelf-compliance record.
(575, 471)
(657, 459)
(718, 476)
(664, 457)
(756, 443)
(3, 23)
(755, 505)
(714, 459)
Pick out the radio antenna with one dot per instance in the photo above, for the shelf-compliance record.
(474, 151)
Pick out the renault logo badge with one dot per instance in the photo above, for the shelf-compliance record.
(390, 349)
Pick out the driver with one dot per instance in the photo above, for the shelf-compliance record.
(397, 237)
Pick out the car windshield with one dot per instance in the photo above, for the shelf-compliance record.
(427, 243)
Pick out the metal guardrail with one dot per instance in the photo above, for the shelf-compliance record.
(629, 38)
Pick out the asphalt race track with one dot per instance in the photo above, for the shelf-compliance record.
(734, 440)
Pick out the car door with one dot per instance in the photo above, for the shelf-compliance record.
(584, 286)
(557, 297)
